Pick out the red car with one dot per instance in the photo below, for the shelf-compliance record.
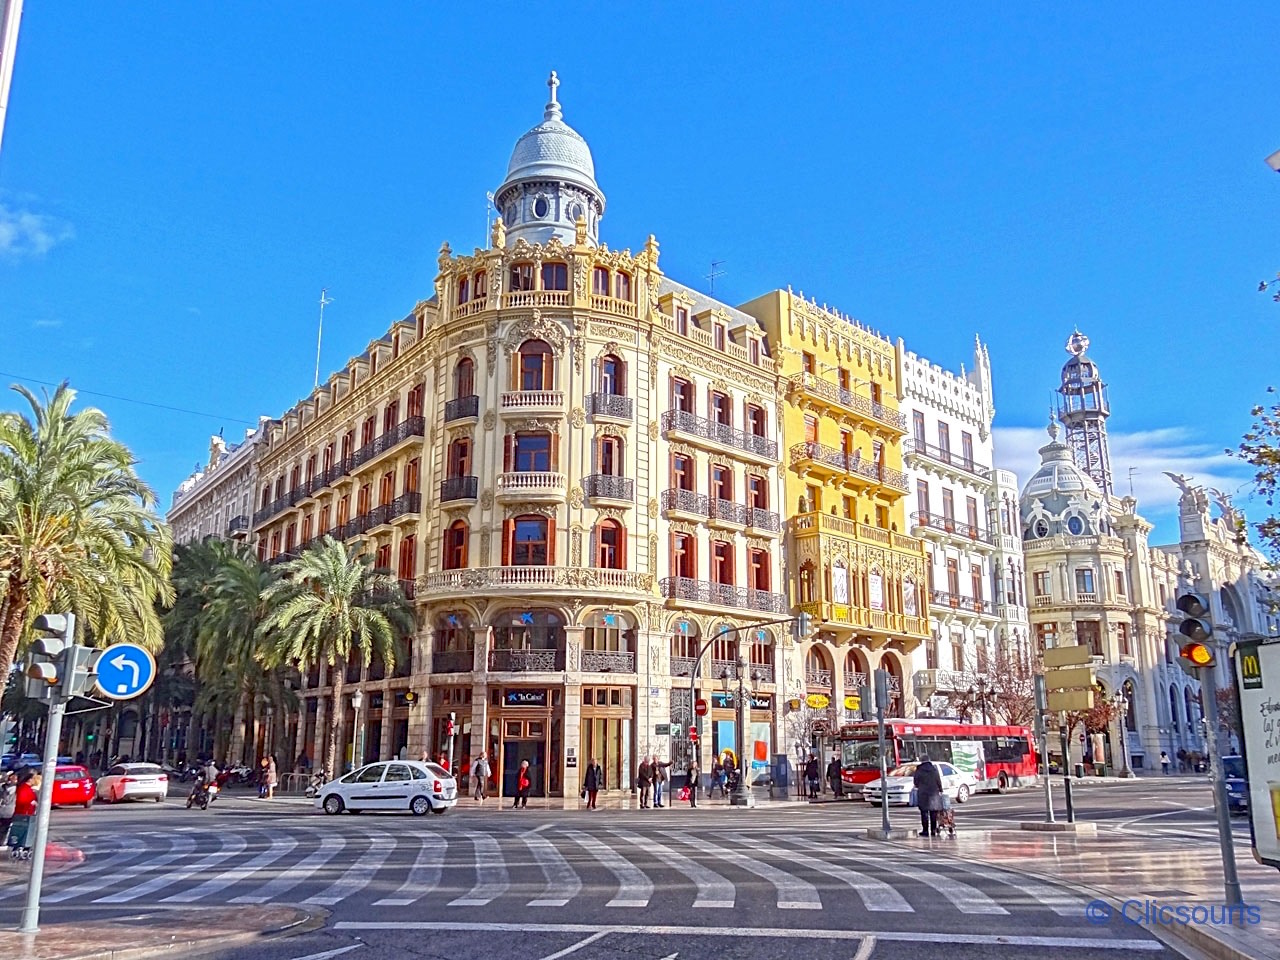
(72, 786)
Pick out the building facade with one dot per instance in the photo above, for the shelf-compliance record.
(217, 500)
(851, 565)
(966, 512)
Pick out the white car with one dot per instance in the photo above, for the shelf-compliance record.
(391, 785)
(956, 784)
(133, 781)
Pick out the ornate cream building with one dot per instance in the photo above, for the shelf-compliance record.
(217, 500)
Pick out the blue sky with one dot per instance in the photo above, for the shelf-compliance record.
(178, 181)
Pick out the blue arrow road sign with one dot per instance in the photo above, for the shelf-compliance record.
(124, 671)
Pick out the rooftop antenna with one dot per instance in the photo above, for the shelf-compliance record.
(1132, 471)
(488, 218)
(715, 272)
(324, 301)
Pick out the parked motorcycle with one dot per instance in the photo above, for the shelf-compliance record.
(202, 795)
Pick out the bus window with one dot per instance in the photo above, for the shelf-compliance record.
(917, 748)
(860, 753)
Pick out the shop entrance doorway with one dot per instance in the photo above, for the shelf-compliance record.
(535, 751)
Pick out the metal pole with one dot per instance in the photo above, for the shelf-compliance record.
(1209, 694)
(1042, 739)
(884, 768)
(1066, 768)
(53, 733)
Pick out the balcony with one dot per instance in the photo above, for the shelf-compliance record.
(1083, 596)
(723, 670)
(676, 500)
(699, 429)
(537, 298)
(470, 308)
(1042, 601)
(459, 488)
(402, 431)
(276, 506)
(526, 661)
(818, 678)
(829, 463)
(462, 408)
(682, 666)
(832, 394)
(962, 604)
(726, 513)
(722, 595)
(763, 520)
(531, 485)
(811, 524)
(611, 405)
(405, 505)
(238, 528)
(600, 486)
(453, 661)
(943, 456)
(569, 580)
(621, 308)
(608, 661)
(932, 523)
(533, 401)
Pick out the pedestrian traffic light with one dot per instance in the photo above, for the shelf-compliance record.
(448, 726)
(803, 626)
(1197, 654)
(1195, 625)
(865, 708)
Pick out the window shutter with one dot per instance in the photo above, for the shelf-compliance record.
(508, 452)
(551, 542)
(508, 533)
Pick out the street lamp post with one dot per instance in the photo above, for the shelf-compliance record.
(980, 695)
(1121, 703)
(742, 796)
(357, 701)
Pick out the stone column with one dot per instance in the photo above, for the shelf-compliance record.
(571, 729)
(480, 694)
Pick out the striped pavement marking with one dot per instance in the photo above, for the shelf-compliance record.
(491, 874)
(713, 890)
(634, 886)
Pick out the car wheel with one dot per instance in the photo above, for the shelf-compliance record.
(333, 804)
(962, 794)
(419, 806)
(88, 804)
(115, 796)
(1002, 783)
(159, 799)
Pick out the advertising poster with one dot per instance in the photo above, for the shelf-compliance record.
(1257, 676)
(876, 583)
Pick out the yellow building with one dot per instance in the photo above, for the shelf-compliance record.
(850, 566)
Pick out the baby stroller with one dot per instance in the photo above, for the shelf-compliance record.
(20, 839)
(947, 817)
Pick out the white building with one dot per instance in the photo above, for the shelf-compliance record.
(217, 501)
(966, 511)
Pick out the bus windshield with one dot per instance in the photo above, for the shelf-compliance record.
(860, 753)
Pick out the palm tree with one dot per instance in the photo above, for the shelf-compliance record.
(78, 530)
(333, 605)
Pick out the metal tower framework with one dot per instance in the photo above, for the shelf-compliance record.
(1083, 409)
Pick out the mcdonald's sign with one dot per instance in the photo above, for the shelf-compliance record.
(1250, 666)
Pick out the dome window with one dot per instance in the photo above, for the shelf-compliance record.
(1075, 526)
(575, 211)
(541, 208)
(1041, 529)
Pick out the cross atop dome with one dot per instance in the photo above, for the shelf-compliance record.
(552, 111)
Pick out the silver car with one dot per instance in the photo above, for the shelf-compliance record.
(133, 781)
(406, 785)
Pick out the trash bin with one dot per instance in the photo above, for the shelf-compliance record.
(1079, 769)
(1099, 769)
(781, 775)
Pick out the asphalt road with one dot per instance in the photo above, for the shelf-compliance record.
(794, 880)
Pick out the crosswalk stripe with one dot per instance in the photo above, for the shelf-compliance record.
(424, 875)
(229, 846)
(279, 847)
(290, 877)
(1055, 898)
(359, 874)
(491, 873)
(714, 891)
(965, 898)
(179, 847)
(877, 896)
(634, 886)
(794, 893)
(561, 878)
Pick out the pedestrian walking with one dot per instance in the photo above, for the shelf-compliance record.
(717, 779)
(8, 803)
(928, 788)
(273, 778)
(692, 773)
(1182, 760)
(660, 778)
(1164, 762)
(644, 780)
(592, 783)
(262, 778)
(834, 776)
(523, 785)
(24, 811)
(811, 776)
(480, 774)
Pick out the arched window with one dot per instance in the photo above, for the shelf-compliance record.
(521, 277)
(613, 376)
(555, 276)
(464, 378)
(537, 367)
(808, 583)
(453, 633)
(610, 545)
(528, 630)
(480, 286)
(1173, 707)
(685, 644)
(622, 286)
(455, 546)
(762, 654)
(459, 464)
(464, 289)
(817, 667)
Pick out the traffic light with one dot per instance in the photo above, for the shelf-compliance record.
(56, 635)
(1195, 625)
(865, 708)
(1197, 654)
(803, 626)
(449, 725)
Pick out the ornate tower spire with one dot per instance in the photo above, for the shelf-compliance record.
(552, 109)
(1083, 409)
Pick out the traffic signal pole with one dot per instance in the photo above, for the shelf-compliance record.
(52, 736)
(1209, 693)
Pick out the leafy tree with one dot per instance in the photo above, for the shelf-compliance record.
(331, 606)
(1260, 448)
(78, 529)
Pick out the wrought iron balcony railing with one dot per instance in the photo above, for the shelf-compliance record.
(610, 487)
(956, 601)
(459, 488)
(608, 661)
(238, 524)
(526, 661)
(684, 422)
(850, 463)
(818, 386)
(722, 594)
(945, 455)
(936, 521)
(461, 408)
(611, 405)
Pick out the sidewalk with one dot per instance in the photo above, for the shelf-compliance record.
(151, 934)
(1118, 868)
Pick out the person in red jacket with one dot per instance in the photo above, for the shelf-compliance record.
(523, 785)
(24, 809)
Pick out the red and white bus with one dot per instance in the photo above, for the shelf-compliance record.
(1003, 757)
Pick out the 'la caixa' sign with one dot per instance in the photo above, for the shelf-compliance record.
(516, 697)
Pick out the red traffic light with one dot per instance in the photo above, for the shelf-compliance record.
(693, 735)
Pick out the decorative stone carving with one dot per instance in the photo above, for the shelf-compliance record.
(610, 430)
(547, 510)
(655, 658)
(576, 497)
(613, 513)
(575, 546)
(653, 508)
(577, 418)
(467, 431)
(579, 351)
(490, 420)
(720, 460)
(533, 425)
(485, 538)
(491, 344)
(580, 277)
(653, 553)
(486, 499)
(536, 327)
(653, 429)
